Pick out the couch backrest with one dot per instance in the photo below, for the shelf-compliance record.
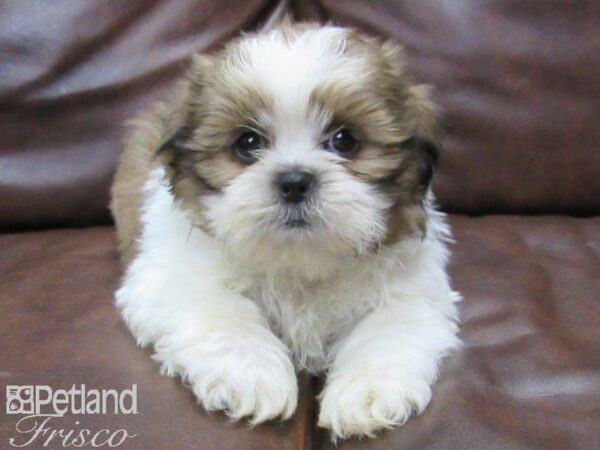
(518, 81)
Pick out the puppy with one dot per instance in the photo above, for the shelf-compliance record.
(275, 215)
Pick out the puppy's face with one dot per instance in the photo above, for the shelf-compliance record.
(303, 143)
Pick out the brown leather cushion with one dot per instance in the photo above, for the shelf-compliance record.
(59, 327)
(527, 377)
(519, 81)
(72, 73)
(519, 86)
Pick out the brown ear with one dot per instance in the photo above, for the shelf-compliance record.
(174, 152)
(427, 153)
(178, 119)
(416, 112)
(421, 115)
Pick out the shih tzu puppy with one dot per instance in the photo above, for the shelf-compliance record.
(275, 215)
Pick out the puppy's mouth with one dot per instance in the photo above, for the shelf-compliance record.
(296, 223)
(295, 218)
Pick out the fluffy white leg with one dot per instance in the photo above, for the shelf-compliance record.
(382, 372)
(217, 341)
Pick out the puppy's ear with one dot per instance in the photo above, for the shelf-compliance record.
(175, 152)
(416, 113)
(178, 117)
(426, 152)
(422, 117)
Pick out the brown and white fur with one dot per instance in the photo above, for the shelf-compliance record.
(237, 289)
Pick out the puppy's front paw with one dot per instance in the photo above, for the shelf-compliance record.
(255, 381)
(361, 403)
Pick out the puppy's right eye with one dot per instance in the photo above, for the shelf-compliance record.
(343, 143)
(246, 146)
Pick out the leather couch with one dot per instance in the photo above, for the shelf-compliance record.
(519, 84)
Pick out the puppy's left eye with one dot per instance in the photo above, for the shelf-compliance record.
(343, 143)
(245, 147)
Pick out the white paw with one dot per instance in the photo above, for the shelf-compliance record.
(246, 379)
(359, 404)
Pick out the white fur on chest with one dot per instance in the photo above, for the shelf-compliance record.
(308, 315)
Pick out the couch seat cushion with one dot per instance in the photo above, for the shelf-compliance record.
(528, 375)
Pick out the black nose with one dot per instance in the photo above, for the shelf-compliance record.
(294, 184)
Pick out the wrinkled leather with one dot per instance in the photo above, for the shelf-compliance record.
(59, 327)
(527, 377)
(72, 72)
(518, 82)
(519, 85)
